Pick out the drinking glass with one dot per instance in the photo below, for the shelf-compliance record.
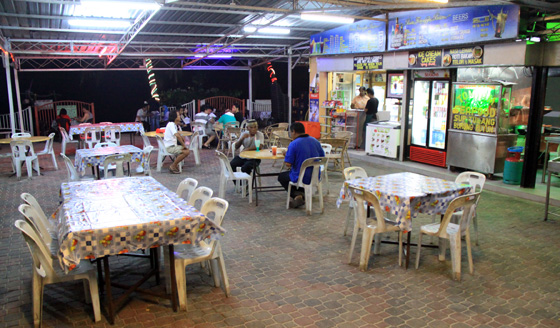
(257, 144)
(274, 150)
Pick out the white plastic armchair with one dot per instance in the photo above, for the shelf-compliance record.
(113, 134)
(162, 153)
(314, 163)
(476, 180)
(49, 150)
(32, 201)
(73, 174)
(199, 197)
(351, 173)
(66, 139)
(21, 135)
(194, 147)
(117, 162)
(23, 152)
(227, 174)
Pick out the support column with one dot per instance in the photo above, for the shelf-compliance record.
(18, 98)
(290, 86)
(533, 136)
(250, 104)
(9, 85)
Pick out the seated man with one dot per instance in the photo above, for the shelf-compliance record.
(247, 139)
(170, 139)
(301, 148)
(208, 121)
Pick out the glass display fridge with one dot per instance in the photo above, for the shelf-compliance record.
(429, 121)
(479, 131)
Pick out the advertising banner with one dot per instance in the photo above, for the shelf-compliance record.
(437, 27)
(314, 107)
(428, 58)
(463, 56)
(359, 37)
(368, 62)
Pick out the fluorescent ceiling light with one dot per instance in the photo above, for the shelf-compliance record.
(99, 23)
(327, 18)
(267, 30)
(214, 56)
(113, 9)
(535, 39)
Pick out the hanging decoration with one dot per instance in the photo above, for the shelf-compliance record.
(152, 79)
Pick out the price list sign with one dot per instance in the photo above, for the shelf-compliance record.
(368, 62)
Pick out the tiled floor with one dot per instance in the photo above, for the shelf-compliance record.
(289, 270)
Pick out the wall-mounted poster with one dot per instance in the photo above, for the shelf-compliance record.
(436, 27)
(395, 88)
(362, 36)
(314, 107)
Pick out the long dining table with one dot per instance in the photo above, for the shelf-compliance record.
(406, 194)
(263, 154)
(95, 156)
(101, 218)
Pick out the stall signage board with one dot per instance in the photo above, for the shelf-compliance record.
(437, 27)
(432, 74)
(368, 62)
(360, 37)
(428, 58)
(463, 56)
(475, 108)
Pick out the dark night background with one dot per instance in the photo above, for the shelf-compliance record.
(117, 95)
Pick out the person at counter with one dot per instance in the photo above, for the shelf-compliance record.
(371, 112)
(360, 101)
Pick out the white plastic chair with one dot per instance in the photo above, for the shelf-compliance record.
(113, 134)
(21, 135)
(199, 197)
(41, 226)
(162, 153)
(194, 146)
(370, 230)
(22, 151)
(46, 272)
(476, 180)
(351, 173)
(145, 166)
(105, 144)
(31, 201)
(227, 174)
(73, 174)
(116, 162)
(232, 135)
(188, 185)
(452, 232)
(327, 149)
(201, 129)
(315, 164)
(92, 136)
(215, 209)
(49, 150)
(66, 139)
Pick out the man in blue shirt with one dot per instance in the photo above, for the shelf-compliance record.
(301, 148)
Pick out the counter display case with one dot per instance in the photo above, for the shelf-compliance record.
(478, 136)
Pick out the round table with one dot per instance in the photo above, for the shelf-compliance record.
(263, 154)
(153, 134)
(32, 139)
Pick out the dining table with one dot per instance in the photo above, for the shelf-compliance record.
(7, 141)
(125, 127)
(102, 218)
(153, 134)
(262, 154)
(407, 194)
(94, 157)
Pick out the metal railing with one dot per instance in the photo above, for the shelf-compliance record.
(27, 114)
(191, 108)
(260, 110)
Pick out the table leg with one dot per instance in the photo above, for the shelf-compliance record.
(545, 164)
(547, 196)
(254, 183)
(109, 294)
(407, 250)
(154, 252)
(173, 277)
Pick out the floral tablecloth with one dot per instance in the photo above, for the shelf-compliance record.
(95, 156)
(125, 127)
(116, 216)
(407, 194)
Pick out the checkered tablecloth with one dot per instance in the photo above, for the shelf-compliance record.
(94, 157)
(116, 216)
(407, 194)
(125, 127)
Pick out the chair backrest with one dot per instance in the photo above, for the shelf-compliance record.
(342, 135)
(281, 134)
(326, 148)
(193, 145)
(243, 125)
(65, 136)
(315, 164)
(232, 132)
(161, 145)
(105, 144)
(21, 135)
(283, 142)
(146, 140)
(354, 172)
(231, 125)
(92, 136)
(49, 144)
(147, 152)
(22, 149)
(227, 171)
(468, 203)
(284, 126)
(42, 262)
(118, 160)
(31, 201)
(189, 185)
(113, 133)
(362, 196)
(215, 208)
(36, 221)
(200, 127)
(338, 144)
(72, 172)
(200, 196)
(474, 179)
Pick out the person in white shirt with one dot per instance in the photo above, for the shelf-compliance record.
(142, 116)
(170, 139)
(206, 118)
(247, 139)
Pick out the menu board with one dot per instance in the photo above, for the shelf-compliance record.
(475, 107)
(436, 27)
(362, 36)
(368, 63)
(463, 56)
(428, 58)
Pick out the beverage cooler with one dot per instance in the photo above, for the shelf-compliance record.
(479, 129)
(429, 121)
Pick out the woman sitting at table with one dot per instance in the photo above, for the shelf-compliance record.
(170, 139)
(87, 118)
(247, 139)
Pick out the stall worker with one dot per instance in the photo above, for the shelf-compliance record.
(360, 101)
